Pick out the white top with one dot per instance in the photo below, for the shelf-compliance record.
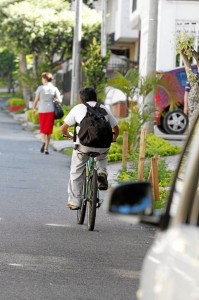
(47, 93)
(79, 111)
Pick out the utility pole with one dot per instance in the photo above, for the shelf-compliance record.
(103, 29)
(150, 57)
(76, 53)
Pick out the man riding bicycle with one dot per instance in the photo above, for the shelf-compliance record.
(79, 157)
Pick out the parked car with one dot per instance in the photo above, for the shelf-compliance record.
(171, 266)
(169, 116)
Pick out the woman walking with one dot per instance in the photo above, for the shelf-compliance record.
(45, 95)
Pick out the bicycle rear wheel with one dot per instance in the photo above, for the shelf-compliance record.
(82, 211)
(92, 201)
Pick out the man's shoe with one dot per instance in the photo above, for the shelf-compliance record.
(102, 181)
(72, 206)
(99, 202)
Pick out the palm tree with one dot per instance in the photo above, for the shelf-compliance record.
(132, 84)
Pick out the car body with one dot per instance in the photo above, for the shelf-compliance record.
(171, 266)
(169, 102)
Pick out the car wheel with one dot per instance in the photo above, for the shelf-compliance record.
(175, 122)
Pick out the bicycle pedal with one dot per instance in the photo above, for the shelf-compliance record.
(99, 203)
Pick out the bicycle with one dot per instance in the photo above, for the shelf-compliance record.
(90, 192)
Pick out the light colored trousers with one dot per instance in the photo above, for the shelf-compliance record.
(78, 164)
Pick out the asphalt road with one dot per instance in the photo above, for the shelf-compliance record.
(44, 253)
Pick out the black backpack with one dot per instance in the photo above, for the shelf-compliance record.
(95, 131)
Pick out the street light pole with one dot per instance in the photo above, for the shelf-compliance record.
(103, 29)
(76, 53)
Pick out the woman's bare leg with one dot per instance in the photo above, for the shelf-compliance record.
(43, 142)
(47, 141)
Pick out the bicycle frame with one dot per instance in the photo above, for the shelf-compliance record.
(90, 166)
(90, 192)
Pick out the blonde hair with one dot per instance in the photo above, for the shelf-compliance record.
(47, 76)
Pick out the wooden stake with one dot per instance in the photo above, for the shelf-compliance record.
(154, 164)
(150, 172)
(142, 154)
(125, 150)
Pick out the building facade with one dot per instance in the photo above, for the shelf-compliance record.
(159, 21)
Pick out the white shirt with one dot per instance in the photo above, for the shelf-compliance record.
(47, 93)
(79, 111)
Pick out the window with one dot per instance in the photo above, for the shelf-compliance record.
(134, 5)
(182, 78)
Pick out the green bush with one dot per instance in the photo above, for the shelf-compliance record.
(154, 145)
(33, 117)
(157, 145)
(57, 134)
(16, 102)
(165, 178)
(115, 152)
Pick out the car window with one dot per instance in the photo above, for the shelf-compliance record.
(182, 78)
(181, 176)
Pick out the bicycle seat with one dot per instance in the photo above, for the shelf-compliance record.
(93, 154)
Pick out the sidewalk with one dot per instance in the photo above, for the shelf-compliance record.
(113, 168)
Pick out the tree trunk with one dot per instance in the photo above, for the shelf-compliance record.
(193, 98)
(23, 69)
(148, 113)
(35, 65)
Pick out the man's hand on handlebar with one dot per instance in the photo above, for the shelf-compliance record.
(68, 135)
(114, 139)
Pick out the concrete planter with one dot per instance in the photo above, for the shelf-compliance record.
(16, 108)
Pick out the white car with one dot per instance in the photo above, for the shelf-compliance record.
(171, 266)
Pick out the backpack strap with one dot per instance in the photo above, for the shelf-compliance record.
(75, 133)
(91, 109)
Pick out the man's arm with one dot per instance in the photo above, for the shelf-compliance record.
(65, 132)
(116, 131)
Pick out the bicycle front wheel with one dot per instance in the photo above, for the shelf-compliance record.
(82, 211)
(92, 201)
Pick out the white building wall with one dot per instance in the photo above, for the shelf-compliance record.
(112, 16)
(118, 20)
(169, 13)
(123, 30)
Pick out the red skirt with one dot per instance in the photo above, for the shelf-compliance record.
(46, 121)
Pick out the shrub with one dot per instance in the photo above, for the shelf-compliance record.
(165, 178)
(157, 145)
(57, 134)
(16, 102)
(154, 145)
(115, 152)
(32, 117)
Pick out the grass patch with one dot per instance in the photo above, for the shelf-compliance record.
(68, 151)
(165, 178)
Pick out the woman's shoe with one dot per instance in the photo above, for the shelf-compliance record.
(46, 152)
(42, 148)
